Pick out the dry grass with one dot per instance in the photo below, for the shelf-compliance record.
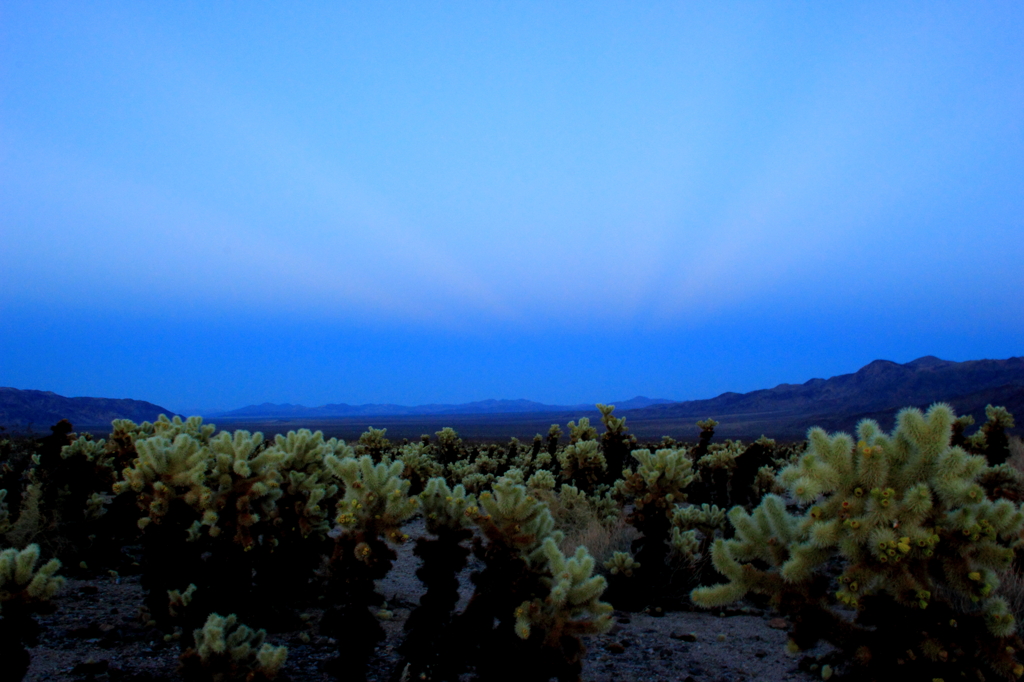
(600, 540)
(1016, 458)
(582, 526)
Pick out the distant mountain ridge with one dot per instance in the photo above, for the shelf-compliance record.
(876, 391)
(287, 410)
(42, 409)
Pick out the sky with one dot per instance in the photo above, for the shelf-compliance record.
(209, 205)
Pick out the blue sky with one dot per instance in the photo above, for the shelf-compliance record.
(216, 204)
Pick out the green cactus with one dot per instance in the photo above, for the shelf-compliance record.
(376, 503)
(615, 443)
(228, 651)
(419, 466)
(920, 545)
(449, 445)
(542, 480)
(991, 439)
(622, 563)
(373, 442)
(431, 648)
(24, 590)
(582, 431)
(583, 465)
(519, 548)
(707, 432)
(572, 607)
(654, 489)
(554, 434)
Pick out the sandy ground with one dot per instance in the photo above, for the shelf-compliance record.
(95, 635)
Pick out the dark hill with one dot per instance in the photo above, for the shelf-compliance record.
(41, 409)
(877, 391)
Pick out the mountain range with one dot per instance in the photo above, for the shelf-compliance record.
(20, 409)
(875, 391)
(272, 411)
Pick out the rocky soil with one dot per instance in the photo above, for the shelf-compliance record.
(95, 634)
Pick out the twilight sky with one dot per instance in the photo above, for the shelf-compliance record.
(207, 205)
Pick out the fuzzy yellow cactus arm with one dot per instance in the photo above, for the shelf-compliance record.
(509, 515)
(582, 431)
(163, 471)
(376, 499)
(22, 583)
(582, 463)
(92, 450)
(659, 479)
(541, 480)
(445, 508)
(24, 590)
(622, 563)
(228, 651)
(573, 604)
(904, 516)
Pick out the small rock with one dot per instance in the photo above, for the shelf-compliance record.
(91, 667)
(684, 636)
(615, 648)
(778, 624)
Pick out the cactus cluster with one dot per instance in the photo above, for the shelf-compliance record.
(25, 589)
(890, 546)
(228, 651)
(920, 547)
(375, 504)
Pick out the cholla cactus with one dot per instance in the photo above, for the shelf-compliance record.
(707, 518)
(541, 480)
(448, 445)
(376, 501)
(615, 444)
(445, 508)
(373, 442)
(991, 439)
(22, 585)
(243, 485)
(24, 590)
(511, 517)
(419, 466)
(519, 558)
(165, 471)
(228, 651)
(583, 465)
(554, 434)
(572, 607)
(916, 535)
(659, 481)
(431, 649)
(714, 473)
(655, 488)
(309, 488)
(581, 431)
(622, 563)
(707, 432)
(375, 505)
